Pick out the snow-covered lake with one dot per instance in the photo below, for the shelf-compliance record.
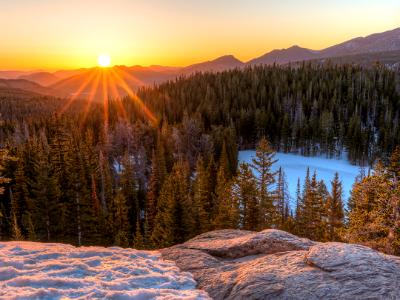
(295, 166)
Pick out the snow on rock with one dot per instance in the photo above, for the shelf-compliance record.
(273, 264)
(31, 270)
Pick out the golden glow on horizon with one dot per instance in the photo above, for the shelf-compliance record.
(41, 35)
(104, 60)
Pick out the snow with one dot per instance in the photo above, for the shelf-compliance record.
(31, 270)
(295, 166)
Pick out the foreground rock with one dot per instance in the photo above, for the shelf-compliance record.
(273, 264)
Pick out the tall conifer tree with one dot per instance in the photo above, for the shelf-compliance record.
(262, 164)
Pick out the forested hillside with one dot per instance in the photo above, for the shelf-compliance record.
(307, 109)
(118, 173)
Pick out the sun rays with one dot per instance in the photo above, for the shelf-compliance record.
(108, 84)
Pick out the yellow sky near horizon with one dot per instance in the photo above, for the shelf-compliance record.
(59, 34)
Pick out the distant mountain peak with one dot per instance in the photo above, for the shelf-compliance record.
(222, 63)
(283, 56)
(227, 59)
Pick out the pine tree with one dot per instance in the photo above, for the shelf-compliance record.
(262, 164)
(163, 233)
(4, 157)
(16, 231)
(212, 182)
(374, 216)
(119, 220)
(20, 199)
(106, 188)
(156, 181)
(202, 198)
(282, 199)
(46, 192)
(174, 219)
(335, 210)
(245, 195)
(138, 240)
(394, 163)
(224, 161)
(393, 240)
(313, 212)
(80, 225)
(226, 209)
(299, 199)
(130, 189)
(152, 193)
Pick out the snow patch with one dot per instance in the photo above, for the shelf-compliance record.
(31, 270)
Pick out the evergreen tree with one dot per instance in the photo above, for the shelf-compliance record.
(202, 198)
(394, 164)
(80, 224)
(46, 192)
(4, 157)
(299, 199)
(106, 187)
(129, 188)
(226, 209)
(262, 164)
(374, 216)
(16, 230)
(152, 193)
(282, 199)
(20, 199)
(245, 195)
(174, 219)
(312, 215)
(119, 220)
(211, 171)
(224, 161)
(335, 210)
(156, 180)
(138, 240)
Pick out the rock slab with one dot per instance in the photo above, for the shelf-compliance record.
(273, 264)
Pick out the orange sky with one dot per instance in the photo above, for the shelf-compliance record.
(60, 34)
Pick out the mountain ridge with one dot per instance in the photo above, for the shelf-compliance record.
(377, 42)
(367, 50)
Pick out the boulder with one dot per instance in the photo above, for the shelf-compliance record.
(273, 264)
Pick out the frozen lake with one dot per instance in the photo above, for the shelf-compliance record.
(295, 166)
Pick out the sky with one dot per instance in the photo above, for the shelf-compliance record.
(66, 34)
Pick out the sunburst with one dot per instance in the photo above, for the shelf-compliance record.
(108, 82)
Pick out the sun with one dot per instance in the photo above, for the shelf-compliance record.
(104, 60)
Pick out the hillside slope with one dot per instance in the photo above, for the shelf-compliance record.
(42, 78)
(26, 85)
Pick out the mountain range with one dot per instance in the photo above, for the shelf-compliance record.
(379, 42)
(383, 47)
